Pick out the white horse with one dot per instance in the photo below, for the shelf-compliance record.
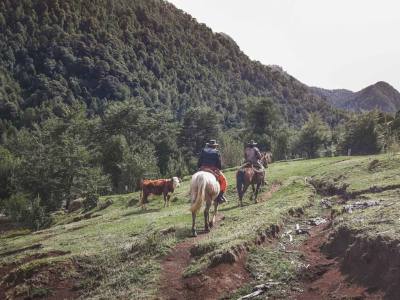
(204, 187)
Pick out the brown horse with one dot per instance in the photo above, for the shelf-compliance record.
(248, 175)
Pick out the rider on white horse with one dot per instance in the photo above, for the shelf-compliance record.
(210, 159)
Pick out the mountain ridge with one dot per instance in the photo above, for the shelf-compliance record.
(380, 95)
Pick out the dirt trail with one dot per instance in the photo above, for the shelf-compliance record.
(323, 278)
(214, 282)
(274, 188)
(211, 284)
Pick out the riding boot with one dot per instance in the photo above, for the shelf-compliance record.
(221, 198)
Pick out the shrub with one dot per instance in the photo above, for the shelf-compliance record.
(231, 151)
(90, 201)
(27, 212)
(313, 135)
(362, 135)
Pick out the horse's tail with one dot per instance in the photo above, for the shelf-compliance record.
(239, 181)
(200, 195)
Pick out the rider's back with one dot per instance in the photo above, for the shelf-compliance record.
(251, 154)
(210, 157)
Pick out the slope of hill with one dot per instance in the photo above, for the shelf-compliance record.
(123, 252)
(56, 52)
(380, 95)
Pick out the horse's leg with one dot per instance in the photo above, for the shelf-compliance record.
(241, 197)
(194, 233)
(207, 216)
(165, 199)
(214, 214)
(239, 185)
(252, 193)
(245, 187)
(168, 197)
(256, 192)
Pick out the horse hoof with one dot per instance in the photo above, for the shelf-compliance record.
(211, 224)
(194, 233)
(206, 229)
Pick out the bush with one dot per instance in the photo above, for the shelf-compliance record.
(362, 135)
(231, 151)
(27, 213)
(90, 201)
(313, 135)
(393, 147)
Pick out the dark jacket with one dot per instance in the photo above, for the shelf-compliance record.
(210, 157)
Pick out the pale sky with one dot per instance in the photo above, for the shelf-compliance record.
(327, 43)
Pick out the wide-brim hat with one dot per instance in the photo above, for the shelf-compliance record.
(212, 143)
(252, 143)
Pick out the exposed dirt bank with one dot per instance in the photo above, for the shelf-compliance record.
(19, 280)
(372, 262)
(323, 277)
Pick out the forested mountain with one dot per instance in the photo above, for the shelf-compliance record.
(380, 95)
(54, 53)
(335, 97)
(97, 95)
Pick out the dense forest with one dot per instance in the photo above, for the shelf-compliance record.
(95, 95)
(54, 53)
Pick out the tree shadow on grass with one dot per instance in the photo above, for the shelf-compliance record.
(220, 209)
(141, 212)
(182, 233)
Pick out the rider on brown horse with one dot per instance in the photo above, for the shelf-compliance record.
(210, 160)
(252, 155)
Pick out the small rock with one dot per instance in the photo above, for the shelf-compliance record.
(326, 203)
(225, 257)
(360, 205)
(317, 221)
(75, 205)
(104, 204)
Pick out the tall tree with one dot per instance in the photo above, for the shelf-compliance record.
(262, 120)
(313, 135)
(363, 134)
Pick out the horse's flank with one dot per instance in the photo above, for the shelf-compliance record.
(203, 187)
(249, 175)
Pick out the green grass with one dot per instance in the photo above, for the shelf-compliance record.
(119, 250)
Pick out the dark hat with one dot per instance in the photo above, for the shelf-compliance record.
(212, 143)
(252, 143)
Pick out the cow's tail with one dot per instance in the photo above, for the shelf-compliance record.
(198, 192)
(240, 181)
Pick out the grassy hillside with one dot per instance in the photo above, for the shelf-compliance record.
(117, 252)
(56, 53)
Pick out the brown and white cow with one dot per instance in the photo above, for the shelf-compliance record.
(163, 187)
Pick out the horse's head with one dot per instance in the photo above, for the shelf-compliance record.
(266, 158)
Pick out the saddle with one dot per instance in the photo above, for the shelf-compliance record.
(209, 170)
(253, 166)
